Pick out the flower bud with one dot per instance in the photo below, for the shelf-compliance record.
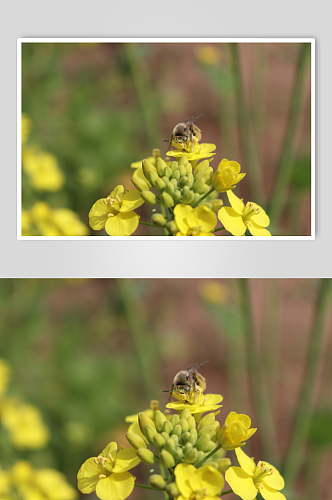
(182, 170)
(208, 429)
(183, 160)
(144, 420)
(205, 174)
(216, 205)
(158, 441)
(178, 454)
(172, 490)
(172, 227)
(157, 481)
(135, 440)
(189, 168)
(170, 187)
(185, 414)
(188, 198)
(160, 185)
(191, 456)
(165, 435)
(191, 421)
(203, 165)
(167, 427)
(184, 425)
(160, 166)
(168, 172)
(200, 456)
(203, 442)
(185, 190)
(188, 447)
(209, 419)
(211, 447)
(149, 432)
(175, 419)
(158, 220)
(177, 196)
(140, 184)
(148, 166)
(152, 176)
(193, 436)
(146, 455)
(166, 459)
(159, 417)
(216, 432)
(190, 180)
(167, 200)
(223, 464)
(170, 445)
(149, 197)
(174, 165)
(177, 430)
(185, 437)
(221, 434)
(175, 438)
(196, 198)
(199, 186)
(176, 174)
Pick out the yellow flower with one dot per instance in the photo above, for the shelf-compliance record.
(116, 212)
(26, 127)
(199, 221)
(134, 426)
(43, 169)
(208, 54)
(240, 217)
(249, 479)
(235, 430)
(214, 292)
(24, 424)
(5, 371)
(226, 176)
(196, 484)
(201, 151)
(108, 473)
(206, 402)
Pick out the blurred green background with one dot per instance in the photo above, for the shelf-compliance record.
(99, 107)
(88, 353)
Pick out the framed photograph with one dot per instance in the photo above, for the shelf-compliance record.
(154, 138)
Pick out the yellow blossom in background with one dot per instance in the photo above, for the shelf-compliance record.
(240, 217)
(205, 482)
(25, 127)
(5, 372)
(24, 424)
(235, 431)
(108, 474)
(249, 479)
(43, 169)
(116, 212)
(206, 402)
(208, 54)
(199, 221)
(43, 220)
(201, 151)
(226, 175)
(4, 485)
(214, 292)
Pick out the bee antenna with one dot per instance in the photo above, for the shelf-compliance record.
(162, 390)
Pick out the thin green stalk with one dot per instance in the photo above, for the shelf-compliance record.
(143, 342)
(227, 492)
(246, 131)
(208, 456)
(286, 161)
(203, 197)
(257, 379)
(218, 229)
(163, 211)
(148, 487)
(149, 224)
(258, 87)
(301, 425)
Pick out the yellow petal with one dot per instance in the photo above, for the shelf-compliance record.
(231, 417)
(232, 221)
(207, 477)
(241, 483)
(138, 164)
(236, 202)
(116, 486)
(118, 191)
(131, 201)
(237, 432)
(270, 493)
(275, 480)
(262, 219)
(257, 230)
(247, 464)
(183, 473)
(202, 216)
(245, 420)
(235, 166)
(111, 448)
(181, 212)
(88, 476)
(227, 176)
(98, 214)
(123, 224)
(125, 460)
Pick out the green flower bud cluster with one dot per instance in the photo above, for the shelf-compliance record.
(175, 183)
(176, 440)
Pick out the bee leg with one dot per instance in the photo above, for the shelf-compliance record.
(195, 389)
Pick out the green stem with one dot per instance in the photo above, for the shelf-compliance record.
(203, 197)
(163, 211)
(218, 229)
(302, 420)
(148, 487)
(246, 131)
(257, 378)
(148, 224)
(286, 161)
(227, 492)
(208, 456)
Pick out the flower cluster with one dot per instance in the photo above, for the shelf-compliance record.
(186, 188)
(190, 444)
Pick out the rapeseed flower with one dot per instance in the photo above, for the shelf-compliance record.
(43, 169)
(200, 151)
(240, 217)
(199, 221)
(116, 212)
(249, 479)
(226, 175)
(235, 431)
(5, 372)
(206, 402)
(197, 484)
(108, 474)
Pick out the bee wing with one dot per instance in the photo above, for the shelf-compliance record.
(191, 120)
(194, 368)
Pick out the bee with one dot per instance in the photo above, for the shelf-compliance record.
(188, 383)
(186, 134)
